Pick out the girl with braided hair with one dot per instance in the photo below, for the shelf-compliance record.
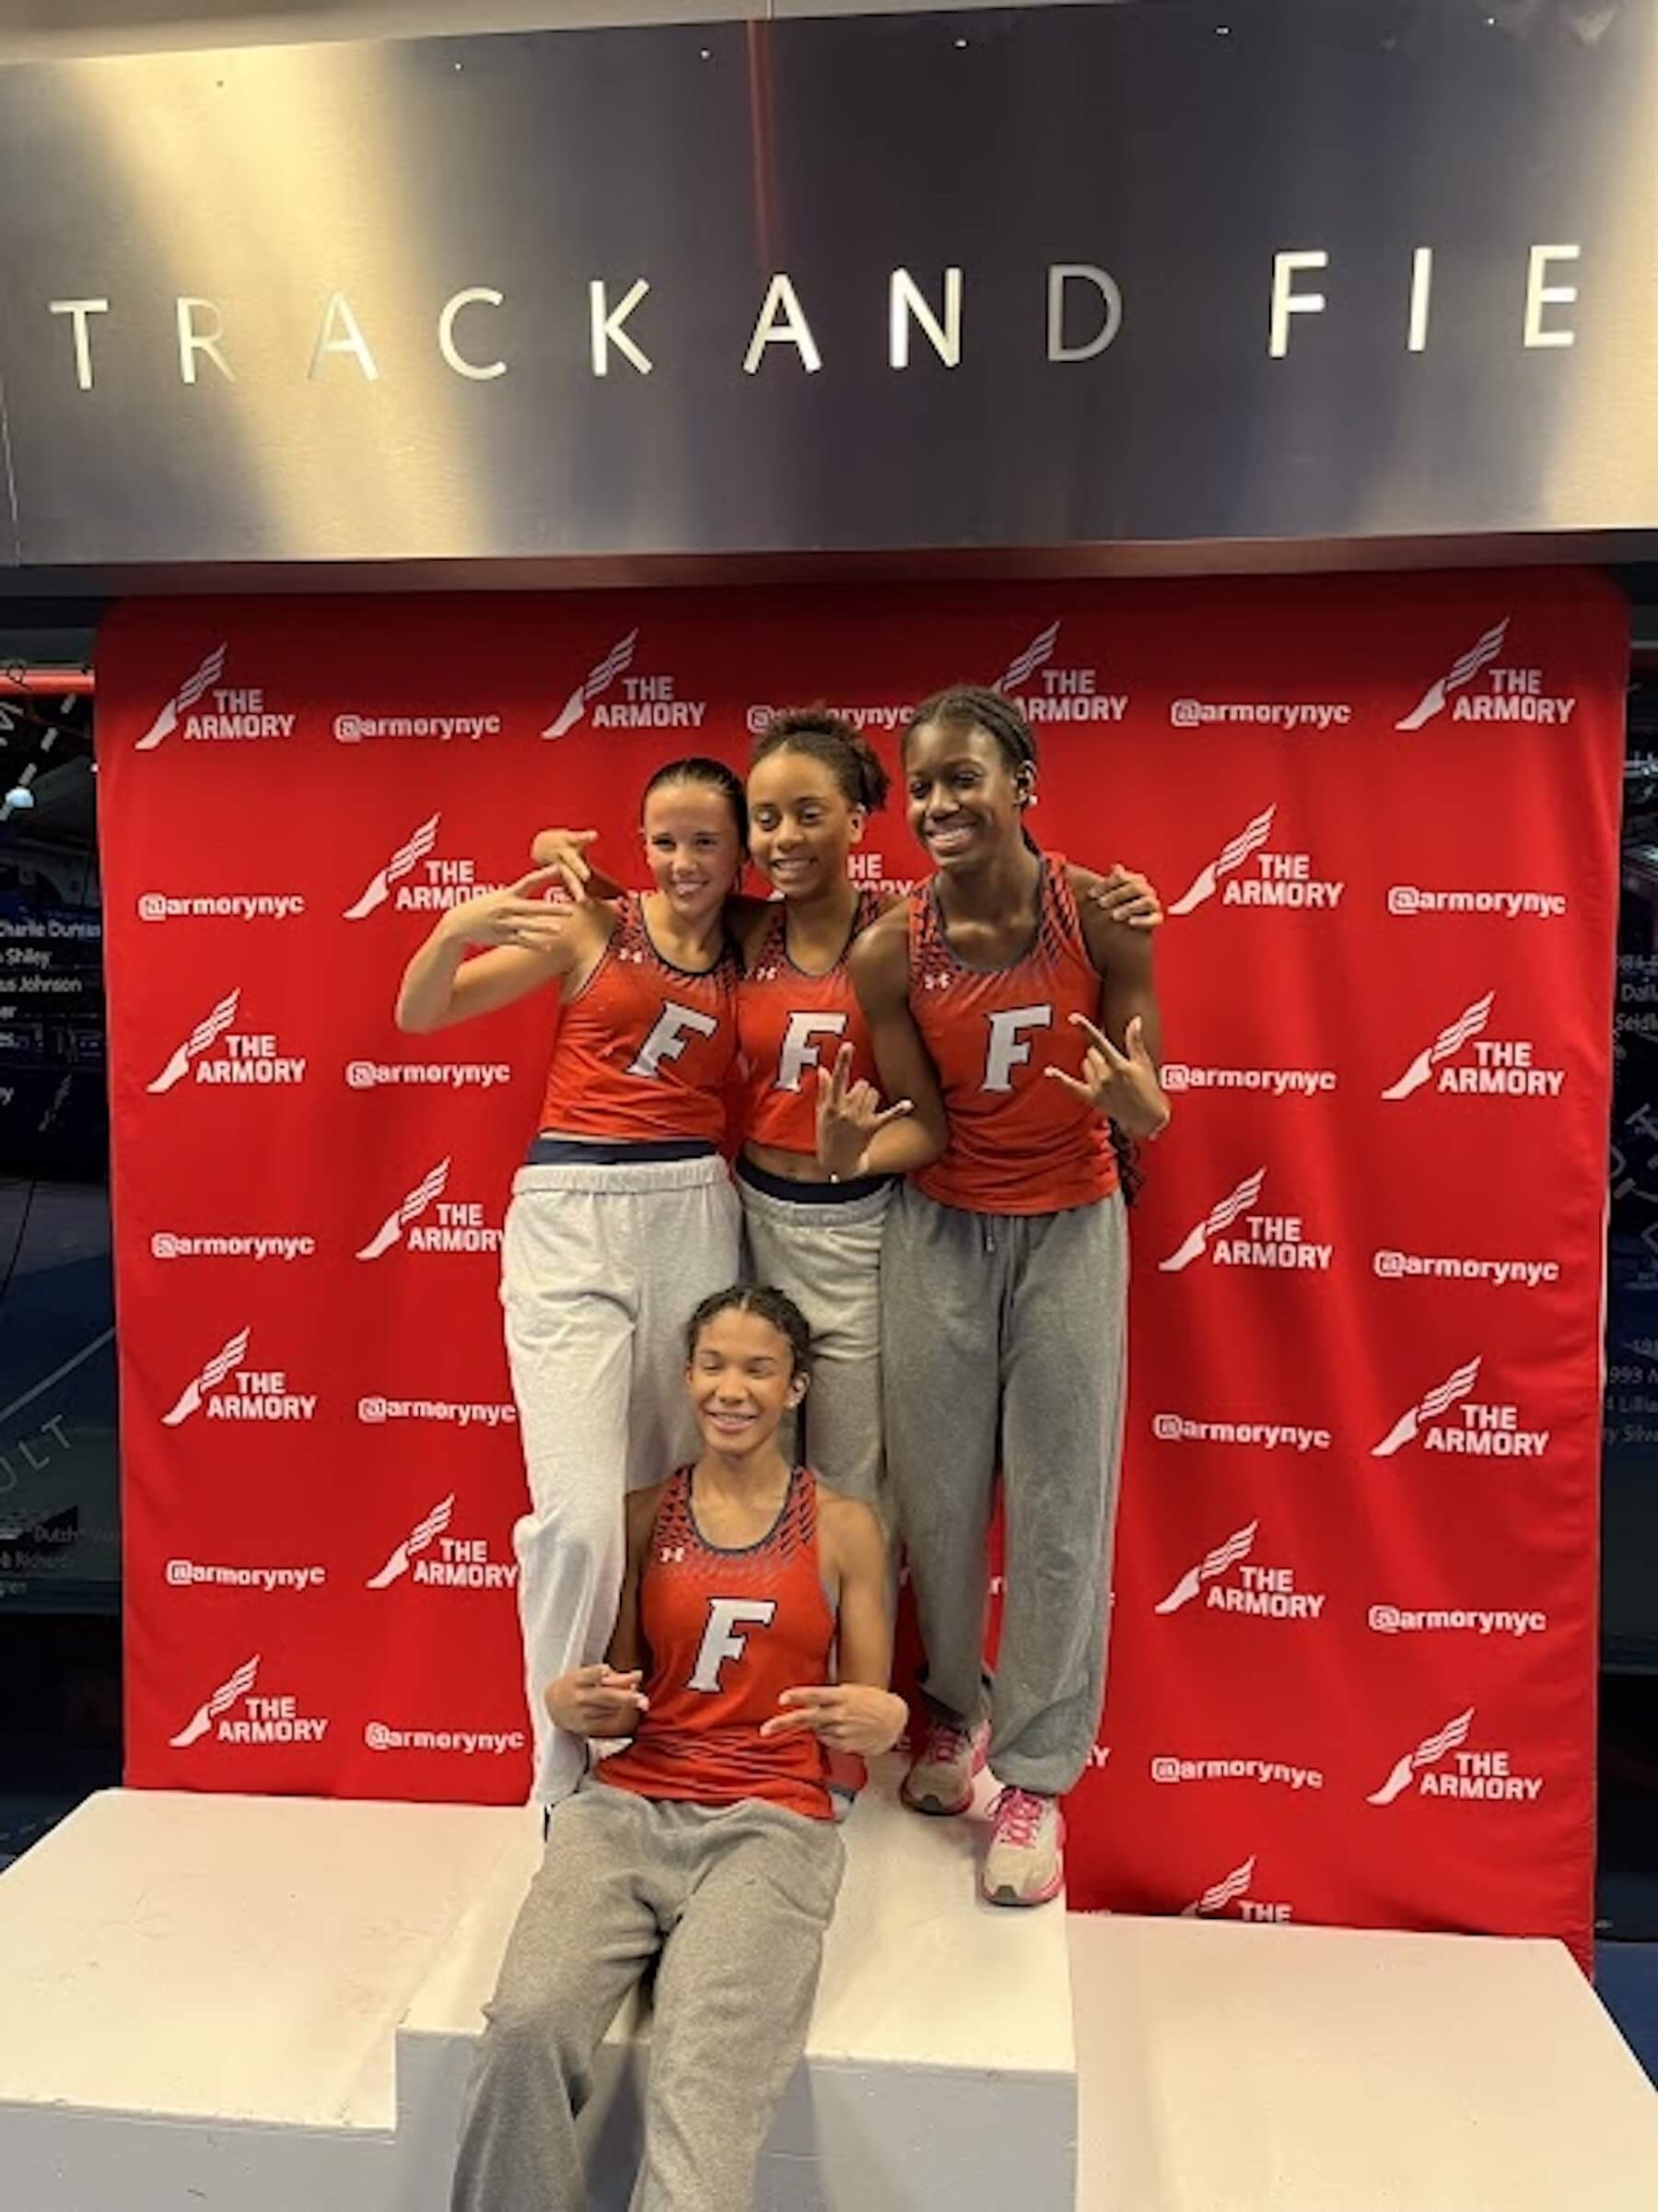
(814, 784)
(750, 1645)
(1014, 1013)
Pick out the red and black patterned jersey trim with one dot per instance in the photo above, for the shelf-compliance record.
(772, 955)
(1058, 931)
(631, 940)
(790, 1536)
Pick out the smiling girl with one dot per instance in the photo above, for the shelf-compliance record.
(1005, 1266)
(623, 1215)
(815, 784)
(709, 1844)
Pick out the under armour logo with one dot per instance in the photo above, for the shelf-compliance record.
(638, 958)
(672, 1557)
(935, 982)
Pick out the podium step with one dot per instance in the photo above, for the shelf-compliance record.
(271, 2005)
(1229, 2067)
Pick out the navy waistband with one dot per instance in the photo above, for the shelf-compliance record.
(599, 1152)
(808, 1194)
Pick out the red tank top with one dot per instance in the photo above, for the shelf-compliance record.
(789, 1024)
(1019, 1143)
(644, 1048)
(727, 1632)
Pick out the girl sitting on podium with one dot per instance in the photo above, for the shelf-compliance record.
(751, 1642)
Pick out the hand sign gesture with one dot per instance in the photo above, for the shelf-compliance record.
(596, 1700)
(1122, 1086)
(520, 915)
(565, 850)
(851, 1716)
(848, 1113)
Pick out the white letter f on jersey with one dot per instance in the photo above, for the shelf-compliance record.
(718, 1644)
(667, 1039)
(1006, 1049)
(798, 1052)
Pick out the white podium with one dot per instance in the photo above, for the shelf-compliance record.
(271, 2005)
(268, 2004)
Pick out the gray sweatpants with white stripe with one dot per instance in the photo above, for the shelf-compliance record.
(601, 1269)
(735, 1899)
(1003, 1337)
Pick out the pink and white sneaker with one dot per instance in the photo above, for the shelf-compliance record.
(939, 1780)
(1025, 1862)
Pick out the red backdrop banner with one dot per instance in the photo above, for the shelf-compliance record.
(1353, 1644)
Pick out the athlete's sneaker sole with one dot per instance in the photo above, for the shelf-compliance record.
(933, 1808)
(1011, 1897)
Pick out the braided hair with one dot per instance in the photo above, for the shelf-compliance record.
(772, 1305)
(830, 740)
(965, 706)
(976, 706)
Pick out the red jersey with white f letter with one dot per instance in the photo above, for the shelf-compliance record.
(727, 1632)
(644, 1048)
(1019, 1141)
(791, 1025)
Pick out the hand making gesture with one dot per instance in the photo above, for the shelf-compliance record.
(851, 1716)
(518, 915)
(1121, 1085)
(597, 1701)
(848, 1113)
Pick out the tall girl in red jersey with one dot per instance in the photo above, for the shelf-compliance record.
(709, 1844)
(623, 1215)
(814, 784)
(1005, 1266)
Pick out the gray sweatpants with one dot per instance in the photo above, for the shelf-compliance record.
(601, 1269)
(1003, 1335)
(735, 1899)
(828, 1261)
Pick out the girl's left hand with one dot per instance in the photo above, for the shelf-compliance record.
(852, 1716)
(848, 1115)
(1125, 895)
(1122, 1086)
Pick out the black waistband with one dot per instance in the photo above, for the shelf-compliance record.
(599, 1151)
(808, 1194)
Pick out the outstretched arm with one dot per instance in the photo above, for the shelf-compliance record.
(526, 942)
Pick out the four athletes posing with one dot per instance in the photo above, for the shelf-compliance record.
(967, 1238)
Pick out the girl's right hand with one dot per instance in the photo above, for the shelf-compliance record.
(516, 915)
(566, 849)
(595, 1701)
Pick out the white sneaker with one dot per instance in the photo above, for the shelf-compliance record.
(941, 1774)
(1025, 1862)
